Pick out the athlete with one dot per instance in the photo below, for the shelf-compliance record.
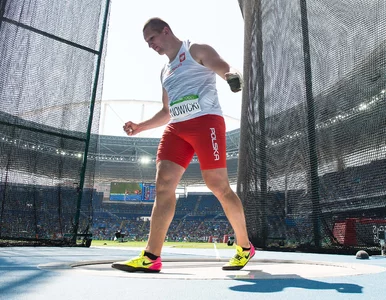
(195, 124)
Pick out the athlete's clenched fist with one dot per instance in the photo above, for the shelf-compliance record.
(130, 128)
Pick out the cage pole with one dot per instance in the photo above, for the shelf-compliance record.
(88, 134)
(313, 158)
(262, 130)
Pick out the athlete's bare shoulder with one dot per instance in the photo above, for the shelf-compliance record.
(200, 52)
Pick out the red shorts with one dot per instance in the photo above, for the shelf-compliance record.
(203, 135)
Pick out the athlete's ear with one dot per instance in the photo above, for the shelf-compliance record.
(166, 30)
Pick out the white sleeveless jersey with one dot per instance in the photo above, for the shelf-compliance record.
(191, 87)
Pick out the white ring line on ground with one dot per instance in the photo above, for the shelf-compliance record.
(190, 269)
(216, 251)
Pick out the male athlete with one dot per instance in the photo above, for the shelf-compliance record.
(195, 125)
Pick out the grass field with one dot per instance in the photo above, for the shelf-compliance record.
(166, 244)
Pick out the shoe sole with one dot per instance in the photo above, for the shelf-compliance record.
(236, 268)
(133, 269)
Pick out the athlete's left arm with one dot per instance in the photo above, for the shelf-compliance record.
(208, 57)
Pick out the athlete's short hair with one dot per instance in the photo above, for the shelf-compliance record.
(156, 24)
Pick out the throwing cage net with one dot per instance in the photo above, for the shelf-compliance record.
(312, 163)
(51, 63)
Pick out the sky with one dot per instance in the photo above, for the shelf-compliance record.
(132, 69)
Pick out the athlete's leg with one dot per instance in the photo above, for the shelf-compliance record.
(167, 179)
(210, 147)
(217, 181)
(173, 157)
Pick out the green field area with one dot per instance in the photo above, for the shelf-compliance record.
(166, 244)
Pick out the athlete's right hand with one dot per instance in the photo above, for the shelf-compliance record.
(130, 128)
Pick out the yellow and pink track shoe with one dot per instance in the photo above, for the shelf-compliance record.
(241, 258)
(139, 264)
